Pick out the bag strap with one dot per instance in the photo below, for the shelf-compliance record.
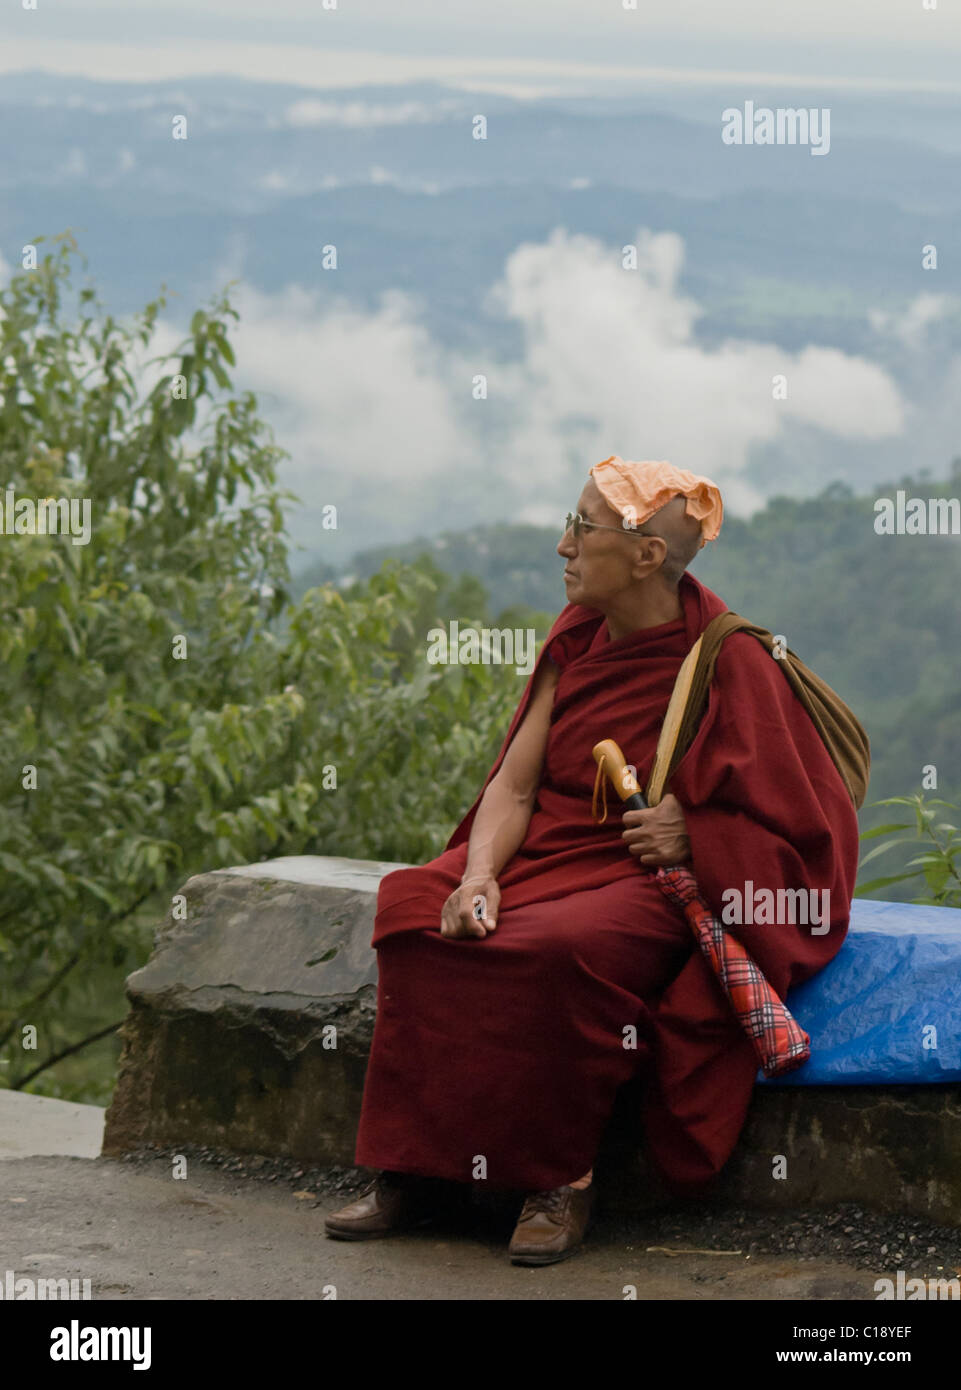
(699, 684)
(844, 737)
(671, 727)
(690, 695)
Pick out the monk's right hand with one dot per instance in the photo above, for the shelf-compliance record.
(471, 910)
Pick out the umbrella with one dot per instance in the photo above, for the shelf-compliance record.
(780, 1042)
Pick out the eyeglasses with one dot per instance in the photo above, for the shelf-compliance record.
(575, 523)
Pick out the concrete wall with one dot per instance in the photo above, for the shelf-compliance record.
(250, 1025)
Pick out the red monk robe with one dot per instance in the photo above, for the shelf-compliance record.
(511, 1047)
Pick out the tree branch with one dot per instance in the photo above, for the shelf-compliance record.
(48, 989)
(67, 1052)
(60, 975)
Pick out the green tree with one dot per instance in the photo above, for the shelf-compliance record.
(178, 715)
(185, 559)
(939, 866)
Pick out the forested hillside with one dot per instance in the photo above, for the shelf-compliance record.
(879, 617)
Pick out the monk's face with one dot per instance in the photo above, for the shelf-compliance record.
(602, 565)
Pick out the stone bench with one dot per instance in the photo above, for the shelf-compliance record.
(250, 1025)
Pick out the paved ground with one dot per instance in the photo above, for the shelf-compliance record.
(37, 1125)
(138, 1233)
(240, 1228)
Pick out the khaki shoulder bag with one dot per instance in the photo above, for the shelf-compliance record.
(842, 734)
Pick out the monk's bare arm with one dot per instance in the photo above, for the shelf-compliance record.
(505, 810)
(503, 815)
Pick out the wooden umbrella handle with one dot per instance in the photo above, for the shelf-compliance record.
(612, 763)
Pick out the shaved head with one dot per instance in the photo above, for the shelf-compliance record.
(681, 534)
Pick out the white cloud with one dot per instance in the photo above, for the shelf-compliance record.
(363, 401)
(612, 365)
(277, 181)
(364, 114)
(843, 395)
(381, 421)
(309, 65)
(910, 326)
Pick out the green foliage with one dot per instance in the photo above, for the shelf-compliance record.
(938, 865)
(186, 540)
(411, 742)
(150, 768)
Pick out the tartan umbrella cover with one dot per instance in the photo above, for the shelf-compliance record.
(780, 1042)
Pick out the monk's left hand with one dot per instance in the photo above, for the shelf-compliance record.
(658, 835)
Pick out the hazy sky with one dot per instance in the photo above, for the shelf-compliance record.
(520, 44)
(608, 363)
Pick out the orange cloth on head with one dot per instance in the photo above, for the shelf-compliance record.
(638, 490)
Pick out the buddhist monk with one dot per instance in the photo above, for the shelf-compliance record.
(516, 968)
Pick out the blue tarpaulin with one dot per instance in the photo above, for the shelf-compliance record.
(887, 1010)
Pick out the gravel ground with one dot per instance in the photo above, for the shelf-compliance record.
(847, 1233)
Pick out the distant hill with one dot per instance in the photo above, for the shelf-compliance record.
(787, 248)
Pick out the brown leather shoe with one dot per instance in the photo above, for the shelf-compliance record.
(551, 1225)
(390, 1202)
